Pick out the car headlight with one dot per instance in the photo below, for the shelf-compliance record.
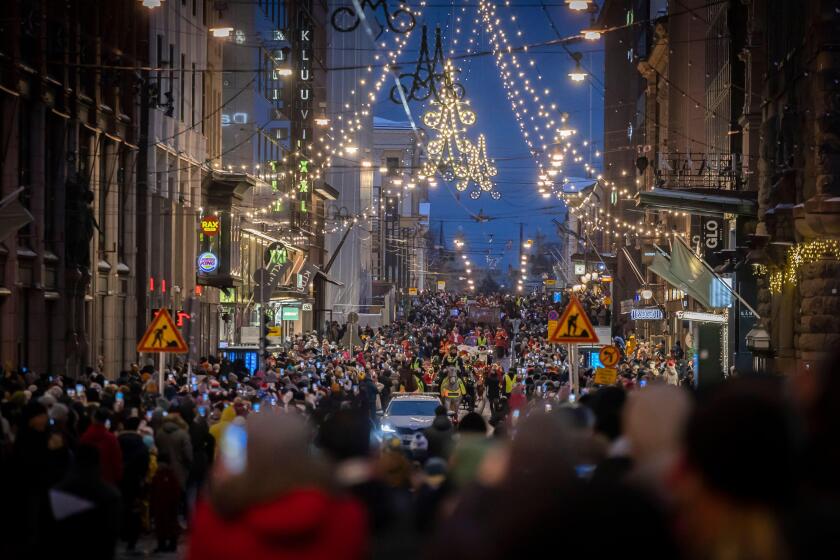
(388, 429)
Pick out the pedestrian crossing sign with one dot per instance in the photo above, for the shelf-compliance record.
(573, 326)
(162, 336)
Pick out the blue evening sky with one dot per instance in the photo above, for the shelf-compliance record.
(517, 176)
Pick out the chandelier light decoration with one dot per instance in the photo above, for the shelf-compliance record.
(451, 153)
(346, 19)
(448, 152)
(480, 171)
(427, 78)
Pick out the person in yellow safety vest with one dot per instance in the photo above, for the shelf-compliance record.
(510, 381)
(452, 390)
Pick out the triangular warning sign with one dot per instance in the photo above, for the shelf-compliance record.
(573, 326)
(162, 336)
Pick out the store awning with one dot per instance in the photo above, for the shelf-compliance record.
(687, 272)
(698, 203)
(695, 274)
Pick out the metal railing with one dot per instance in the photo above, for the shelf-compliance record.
(699, 171)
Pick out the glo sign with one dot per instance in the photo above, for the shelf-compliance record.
(208, 262)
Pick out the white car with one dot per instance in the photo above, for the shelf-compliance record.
(407, 414)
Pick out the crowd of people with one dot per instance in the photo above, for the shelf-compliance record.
(289, 461)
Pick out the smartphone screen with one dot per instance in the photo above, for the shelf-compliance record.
(572, 397)
(106, 383)
(80, 388)
(71, 392)
(643, 383)
(202, 411)
(233, 448)
(148, 415)
(256, 407)
(120, 396)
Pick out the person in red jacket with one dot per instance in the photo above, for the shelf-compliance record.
(277, 505)
(99, 436)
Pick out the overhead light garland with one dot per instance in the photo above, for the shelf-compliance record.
(798, 256)
(346, 19)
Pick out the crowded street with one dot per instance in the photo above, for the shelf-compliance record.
(307, 459)
(419, 279)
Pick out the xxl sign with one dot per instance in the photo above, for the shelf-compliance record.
(301, 126)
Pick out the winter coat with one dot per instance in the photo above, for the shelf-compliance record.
(135, 463)
(93, 531)
(164, 499)
(304, 524)
(110, 454)
(173, 440)
(218, 429)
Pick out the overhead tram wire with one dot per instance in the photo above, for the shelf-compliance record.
(461, 56)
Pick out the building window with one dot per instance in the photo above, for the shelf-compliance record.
(25, 168)
(193, 98)
(122, 194)
(53, 146)
(183, 84)
(393, 165)
(203, 103)
(104, 186)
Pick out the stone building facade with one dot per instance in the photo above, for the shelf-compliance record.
(69, 119)
(791, 49)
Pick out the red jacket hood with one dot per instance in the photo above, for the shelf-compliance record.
(303, 524)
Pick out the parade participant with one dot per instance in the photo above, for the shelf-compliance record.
(501, 341)
(453, 390)
(453, 360)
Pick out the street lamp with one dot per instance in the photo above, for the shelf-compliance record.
(221, 32)
(578, 74)
(591, 34)
(578, 5)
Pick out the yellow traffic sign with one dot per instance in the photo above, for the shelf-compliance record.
(605, 376)
(573, 326)
(609, 356)
(274, 330)
(162, 336)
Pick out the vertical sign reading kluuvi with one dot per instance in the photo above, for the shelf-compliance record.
(301, 125)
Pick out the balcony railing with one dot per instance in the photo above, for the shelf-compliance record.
(699, 171)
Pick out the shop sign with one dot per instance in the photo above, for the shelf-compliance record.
(441, 285)
(412, 291)
(208, 262)
(700, 317)
(580, 269)
(291, 313)
(307, 307)
(210, 225)
(646, 314)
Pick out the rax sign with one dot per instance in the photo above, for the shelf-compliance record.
(210, 225)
